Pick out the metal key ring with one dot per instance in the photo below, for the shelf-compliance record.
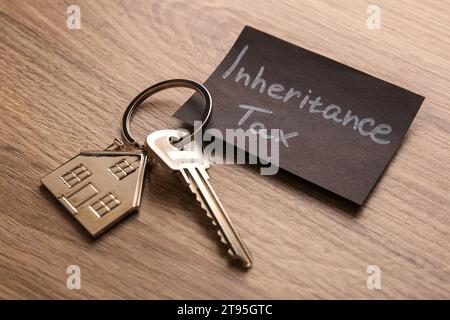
(174, 83)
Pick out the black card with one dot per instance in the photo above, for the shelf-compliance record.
(341, 126)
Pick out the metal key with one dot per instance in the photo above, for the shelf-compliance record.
(191, 166)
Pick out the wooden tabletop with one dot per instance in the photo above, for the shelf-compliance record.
(64, 90)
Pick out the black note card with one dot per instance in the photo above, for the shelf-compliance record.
(340, 126)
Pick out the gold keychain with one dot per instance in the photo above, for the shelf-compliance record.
(99, 188)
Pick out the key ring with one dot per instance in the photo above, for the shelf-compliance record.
(174, 83)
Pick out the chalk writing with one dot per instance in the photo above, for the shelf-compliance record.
(259, 127)
(365, 126)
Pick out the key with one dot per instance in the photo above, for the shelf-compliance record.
(191, 165)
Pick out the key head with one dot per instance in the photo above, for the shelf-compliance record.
(161, 144)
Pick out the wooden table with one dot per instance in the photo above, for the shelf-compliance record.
(65, 90)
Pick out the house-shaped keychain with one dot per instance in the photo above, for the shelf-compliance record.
(99, 187)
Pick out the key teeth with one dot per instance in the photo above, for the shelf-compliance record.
(222, 237)
(202, 205)
(220, 234)
(231, 253)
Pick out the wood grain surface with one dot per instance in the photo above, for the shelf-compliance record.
(65, 90)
